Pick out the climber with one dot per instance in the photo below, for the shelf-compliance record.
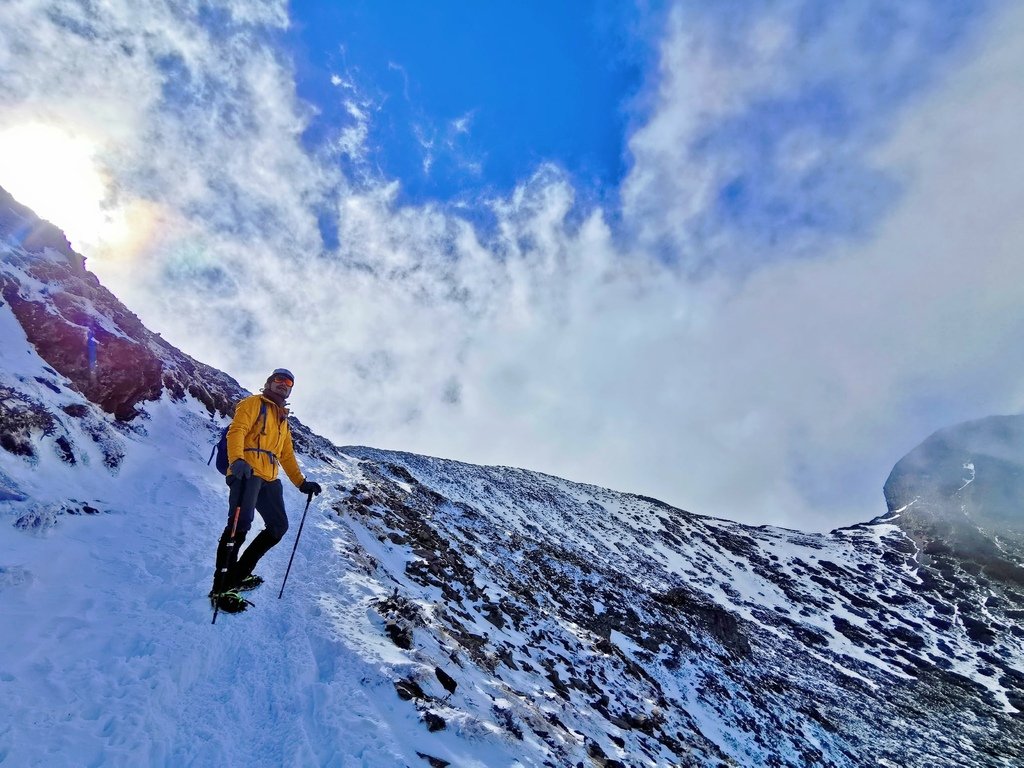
(257, 441)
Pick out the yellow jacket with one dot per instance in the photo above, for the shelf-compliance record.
(263, 442)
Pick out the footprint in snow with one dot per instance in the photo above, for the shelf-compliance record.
(14, 576)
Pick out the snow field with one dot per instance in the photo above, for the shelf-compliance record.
(110, 656)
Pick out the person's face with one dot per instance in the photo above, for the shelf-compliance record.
(281, 385)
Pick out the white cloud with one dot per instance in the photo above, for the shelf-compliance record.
(813, 377)
(700, 83)
(271, 13)
(352, 139)
(461, 124)
(776, 394)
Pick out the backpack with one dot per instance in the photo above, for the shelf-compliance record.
(220, 450)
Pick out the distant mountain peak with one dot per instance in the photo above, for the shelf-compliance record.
(961, 493)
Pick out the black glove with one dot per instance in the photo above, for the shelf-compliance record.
(241, 469)
(309, 487)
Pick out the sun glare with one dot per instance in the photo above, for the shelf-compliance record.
(54, 172)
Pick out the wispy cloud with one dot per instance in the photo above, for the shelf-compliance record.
(395, 67)
(462, 124)
(675, 347)
(352, 139)
(763, 122)
(341, 82)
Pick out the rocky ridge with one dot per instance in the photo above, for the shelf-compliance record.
(661, 622)
(64, 310)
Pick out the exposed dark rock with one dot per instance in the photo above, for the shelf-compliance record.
(435, 762)
(504, 718)
(132, 364)
(48, 384)
(434, 721)
(64, 450)
(448, 682)
(720, 623)
(978, 630)
(39, 518)
(20, 417)
(409, 689)
(400, 617)
(400, 636)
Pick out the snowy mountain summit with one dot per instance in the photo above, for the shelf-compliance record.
(441, 613)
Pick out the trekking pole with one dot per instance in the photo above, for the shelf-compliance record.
(231, 543)
(302, 523)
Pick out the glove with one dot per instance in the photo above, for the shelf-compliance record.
(309, 487)
(241, 469)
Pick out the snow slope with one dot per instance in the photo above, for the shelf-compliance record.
(109, 656)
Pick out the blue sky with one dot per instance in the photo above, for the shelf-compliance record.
(738, 256)
(465, 101)
(469, 98)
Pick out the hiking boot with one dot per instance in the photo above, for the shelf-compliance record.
(249, 582)
(229, 602)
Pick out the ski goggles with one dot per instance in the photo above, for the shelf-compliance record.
(284, 380)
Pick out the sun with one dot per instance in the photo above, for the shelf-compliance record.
(54, 172)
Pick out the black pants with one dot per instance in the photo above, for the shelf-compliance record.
(245, 498)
